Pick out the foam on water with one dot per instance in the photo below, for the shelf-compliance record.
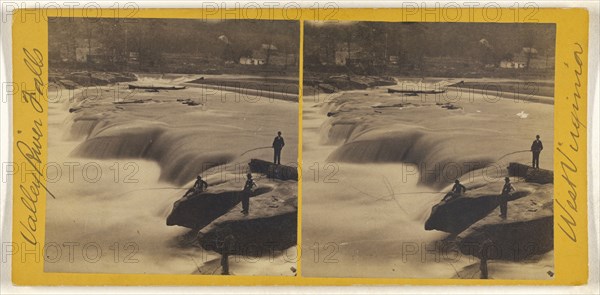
(130, 163)
(372, 175)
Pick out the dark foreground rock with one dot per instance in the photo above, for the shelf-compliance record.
(199, 210)
(215, 215)
(526, 232)
(479, 230)
(254, 237)
(456, 215)
(271, 224)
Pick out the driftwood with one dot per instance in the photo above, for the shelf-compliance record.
(133, 86)
(392, 90)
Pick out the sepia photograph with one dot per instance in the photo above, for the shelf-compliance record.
(428, 150)
(172, 146)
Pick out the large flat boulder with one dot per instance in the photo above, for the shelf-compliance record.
(215, 215)
(527, 231)
(271, 225)
(197, 210)
(530, 174)
(458, 214)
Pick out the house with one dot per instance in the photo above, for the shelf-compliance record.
(528, 57)
(510, 64)
(341, 57)
(88, 50)
(537, 60)
(269, 53)
(251, 61)
(268, 47)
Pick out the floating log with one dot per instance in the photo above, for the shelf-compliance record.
(134, 86)
(413, 91)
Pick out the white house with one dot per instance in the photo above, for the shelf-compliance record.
(510, 64)
(341, 57)
(251, 61)
(268, 47)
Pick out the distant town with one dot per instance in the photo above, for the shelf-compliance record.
(409, 49)
(228, 49)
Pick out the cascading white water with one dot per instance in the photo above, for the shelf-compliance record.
(372, 174)
(120, 164)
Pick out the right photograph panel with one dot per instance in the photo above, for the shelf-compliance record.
(428, 150)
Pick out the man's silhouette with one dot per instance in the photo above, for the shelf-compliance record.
(536, 148)
(506, 190)
(278, 144)
(200, 185)
(248, 186)
(226, 250)
(457, 190)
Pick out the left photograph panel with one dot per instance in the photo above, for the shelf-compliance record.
(174, 144)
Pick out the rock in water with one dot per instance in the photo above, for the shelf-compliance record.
(270, 226)
(528, 230)
(456, 215)
(199, 210)
(530, 174)
(253, 237)
(274, 171)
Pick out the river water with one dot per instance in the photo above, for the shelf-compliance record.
(374, 164)
(117, 168)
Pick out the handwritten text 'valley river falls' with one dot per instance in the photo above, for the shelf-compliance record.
(31, 149)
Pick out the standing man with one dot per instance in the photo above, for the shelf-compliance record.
(278, 144)
(536, 148)
(250, 184)
(506, 190)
